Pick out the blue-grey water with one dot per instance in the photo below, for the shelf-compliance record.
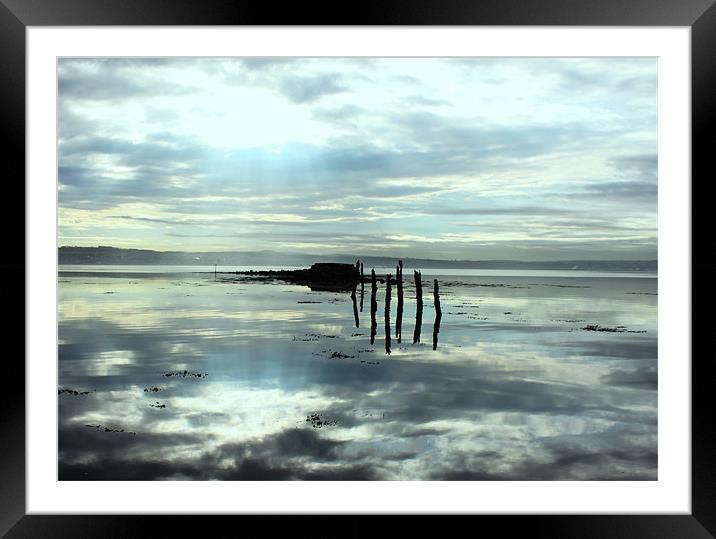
(166, 373)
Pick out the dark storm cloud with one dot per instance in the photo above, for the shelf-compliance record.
(108, 80)
(565, 464)
(286, 455)
(310, 89)
(283, 456)
(74, 439)
(279, 75)
(290, 443)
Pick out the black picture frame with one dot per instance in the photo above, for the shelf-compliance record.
(16, 15)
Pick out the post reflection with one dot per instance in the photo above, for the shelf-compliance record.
(387, 314)
(355, 310)
(373, 305)
(438, 315)
(418, 307)
(399, 315)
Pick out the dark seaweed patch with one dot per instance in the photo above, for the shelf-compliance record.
(184, 374)
(100, 428)
(318, 421)
(73, 392)
(618, 329)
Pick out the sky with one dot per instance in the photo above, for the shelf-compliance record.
(444, 158)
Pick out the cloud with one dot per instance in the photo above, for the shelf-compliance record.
(643, 378)
(645, 166)
(517, 210)
(309, 89)
(211, 141)
(106, 80)
(620, 190)
(506, 414)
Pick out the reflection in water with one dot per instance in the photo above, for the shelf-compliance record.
(387, 313)
(353, 293)
(418, 307)
(373, 306)
(399, 316)
(438, 316)
(517, 390)
(355, 309)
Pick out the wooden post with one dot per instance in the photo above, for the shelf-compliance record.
(399, 317)
(362, 287)
(387, 314)
(355, 281)
(419, 307)
(438, 315)
(373, 306)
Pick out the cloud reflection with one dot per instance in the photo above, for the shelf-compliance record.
(486, 405)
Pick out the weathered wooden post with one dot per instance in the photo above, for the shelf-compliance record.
(362, 286)
(353, 293)
(355, 280)
(373, 306)
(399, 317)
(438, 315)
(387, 314)
(419, 307)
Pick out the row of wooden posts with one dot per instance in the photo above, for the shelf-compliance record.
(399, 318)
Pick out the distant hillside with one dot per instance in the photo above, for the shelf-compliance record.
(116, 256)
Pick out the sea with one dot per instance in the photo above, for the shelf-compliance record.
(197, 373)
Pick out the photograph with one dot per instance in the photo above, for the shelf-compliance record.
(357, 268)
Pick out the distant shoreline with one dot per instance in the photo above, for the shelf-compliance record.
(147, 271)
(90, 256)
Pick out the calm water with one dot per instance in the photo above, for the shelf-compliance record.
(281, 384)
